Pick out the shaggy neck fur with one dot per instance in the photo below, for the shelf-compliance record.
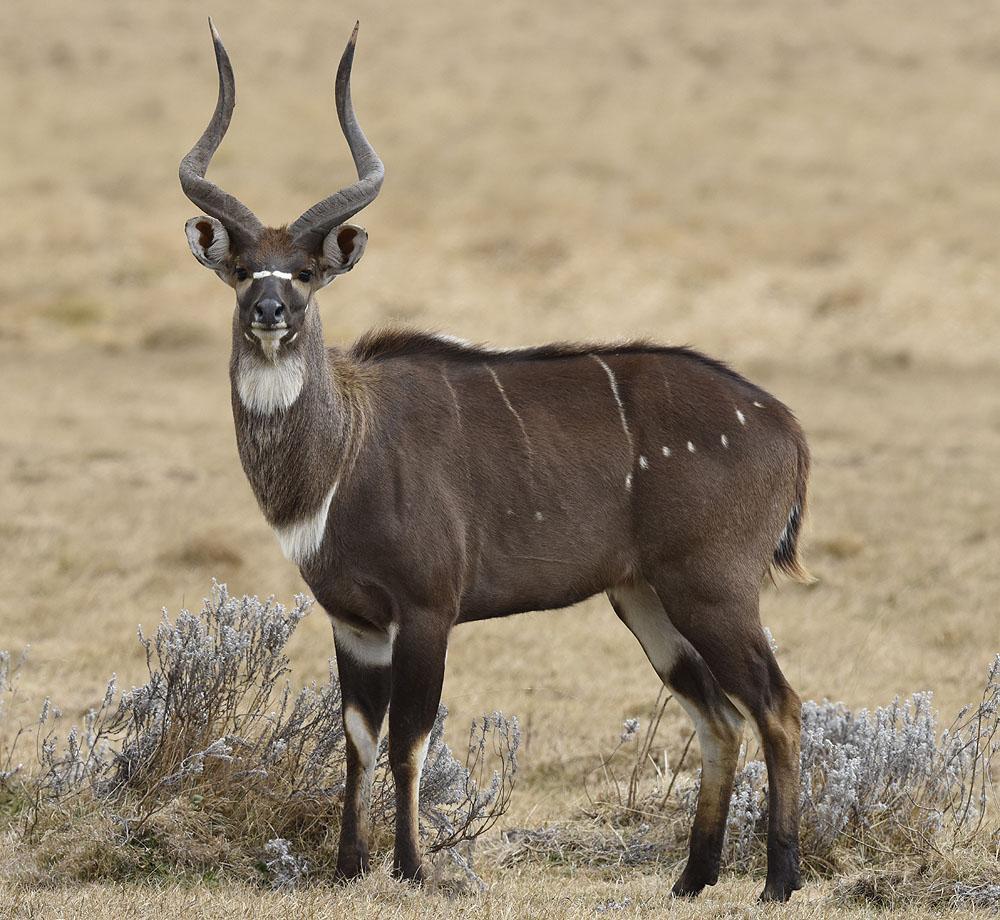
(298, 429)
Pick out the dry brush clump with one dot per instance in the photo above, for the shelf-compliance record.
(215, 765)
(883, 790)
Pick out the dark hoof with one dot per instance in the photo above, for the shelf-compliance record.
(691, 884)
(780, 890)
(351, 866)
(409, 872)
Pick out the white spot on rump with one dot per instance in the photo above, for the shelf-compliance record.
(759, 405)
(266, 387)
(725, 441)
(643, 463)
(300, 541)
(666, 451)
(691, 447)
(368, 647)
(741, 417)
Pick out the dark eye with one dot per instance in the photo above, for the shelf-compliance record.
(241, 274)
(305, 275)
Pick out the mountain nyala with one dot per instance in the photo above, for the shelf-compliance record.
(420, 481)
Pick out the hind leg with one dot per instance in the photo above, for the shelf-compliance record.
(718, 724)
(723, 623)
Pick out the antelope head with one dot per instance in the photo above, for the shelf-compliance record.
(276, 272)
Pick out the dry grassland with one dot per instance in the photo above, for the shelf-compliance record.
(811, 192)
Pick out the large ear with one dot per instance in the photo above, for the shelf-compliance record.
(209, 242)
(342, 249)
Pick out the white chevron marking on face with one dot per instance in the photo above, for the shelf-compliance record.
(287, 276)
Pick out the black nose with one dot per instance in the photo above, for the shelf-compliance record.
(269, 311)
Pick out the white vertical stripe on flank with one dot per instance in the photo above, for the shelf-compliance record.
(509, 405)
(621, 413)
(741, 417)
(454, 396)
(725, 441)
(618, 399)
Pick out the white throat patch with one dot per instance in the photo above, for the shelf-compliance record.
(266, 387)
(300, 541)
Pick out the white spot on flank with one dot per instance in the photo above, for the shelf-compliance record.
(690, 447)
(643, 463)
(628, 482)
(267, 273)
(369, 647)
(539, 516)
(266, 387)
(300, 541)
(666, 451)
(618, 401)
(509, 405)
(725, 441)
(758, 404)
(741, 417)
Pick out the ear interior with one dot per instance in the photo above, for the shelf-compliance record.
(343, 247)
(208, 240)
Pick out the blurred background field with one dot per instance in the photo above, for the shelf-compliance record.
(810, 192)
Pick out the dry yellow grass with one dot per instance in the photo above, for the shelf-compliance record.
(538, 894)
(809, 192)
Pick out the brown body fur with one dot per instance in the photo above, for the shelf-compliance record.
(420, 483)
